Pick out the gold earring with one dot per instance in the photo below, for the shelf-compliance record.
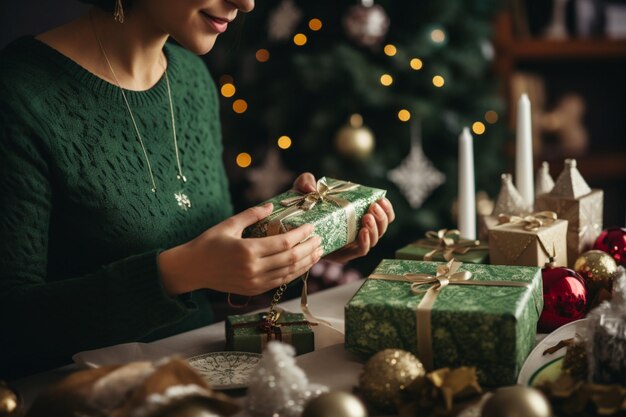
(118, 13)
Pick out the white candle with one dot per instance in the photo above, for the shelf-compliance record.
(524, 152)
(467, 194)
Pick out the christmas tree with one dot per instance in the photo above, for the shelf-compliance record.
(371, 93)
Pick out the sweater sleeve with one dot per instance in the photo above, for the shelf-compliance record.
(44, 322)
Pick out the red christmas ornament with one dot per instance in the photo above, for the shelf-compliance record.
(564, 297)
(613, 242)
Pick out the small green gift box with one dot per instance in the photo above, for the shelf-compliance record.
(449, 315)
(443, 245)
(247, 332)
(335, 209)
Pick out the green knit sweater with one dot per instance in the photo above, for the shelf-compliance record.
(80, 229)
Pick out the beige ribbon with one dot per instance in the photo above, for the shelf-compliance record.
(447, 274)
(294, 206)
(531, 222)
(448, 242)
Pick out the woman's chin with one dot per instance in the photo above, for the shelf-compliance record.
(199, 46)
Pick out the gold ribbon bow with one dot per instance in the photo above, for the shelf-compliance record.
(299, 204)
(531, 222)
(447, 274)
(272, 328)
(448, 242)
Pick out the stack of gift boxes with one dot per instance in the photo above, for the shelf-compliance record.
(451, 301)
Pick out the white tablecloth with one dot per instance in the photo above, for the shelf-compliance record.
(330, 365)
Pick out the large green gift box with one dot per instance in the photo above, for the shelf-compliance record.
(335, 209)
(443, 245)
(490, 326)
(245, 333)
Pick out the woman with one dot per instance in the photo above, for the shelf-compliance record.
(115, 214)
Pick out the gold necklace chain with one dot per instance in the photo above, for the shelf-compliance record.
(181, 198)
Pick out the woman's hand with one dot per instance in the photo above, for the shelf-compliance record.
(222, 260)
(375, 223)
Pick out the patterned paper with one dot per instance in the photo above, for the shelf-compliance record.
(492, 328)
(330, 221)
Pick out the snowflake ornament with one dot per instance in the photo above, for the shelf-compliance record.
(416, 176)
(278, 387)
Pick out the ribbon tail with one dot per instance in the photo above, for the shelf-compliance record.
(304, 305)
(424, 329)
(275, 226)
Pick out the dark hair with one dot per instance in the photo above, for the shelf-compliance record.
(108, 5)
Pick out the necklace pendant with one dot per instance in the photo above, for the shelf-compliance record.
(183, 201)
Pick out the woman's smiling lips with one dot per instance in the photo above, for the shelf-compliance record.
(219, 24)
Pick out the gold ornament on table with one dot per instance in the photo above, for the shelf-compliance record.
(335, 404)
(517, 401)
(386, 375)
(355, 140)
(597, 269)
(10, 404)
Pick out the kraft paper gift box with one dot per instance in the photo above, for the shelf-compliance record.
(335, 209)
(532, 240)
(246, 333)
(489, 322)
(573, 200)
(444, 245)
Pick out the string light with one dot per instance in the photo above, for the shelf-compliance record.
(404, 115)
(240, 106)
(416, 64)
(390, 50)
(491, 117)
(228, 90)
(438, 81)
(224, 79)
(284, 142)
(478, 128)
(299, 39)
(438, 35)
(243, 160)
(386, 80)
(262, 55)
(315, 24)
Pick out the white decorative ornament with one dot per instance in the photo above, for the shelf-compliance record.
(278, 387)
(416, 176)
(269, 179)
(283, 20)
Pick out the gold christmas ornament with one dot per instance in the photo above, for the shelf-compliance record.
(355, 140)
(597, 269)
(387, 374)
(517, 401)
(9, 401)
(335, 404)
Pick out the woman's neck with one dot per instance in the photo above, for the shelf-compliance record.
(134, 48)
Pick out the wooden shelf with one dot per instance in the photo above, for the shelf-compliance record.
(567, 49)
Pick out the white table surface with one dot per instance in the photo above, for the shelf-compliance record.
(331, 365)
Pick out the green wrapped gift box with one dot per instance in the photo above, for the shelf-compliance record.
(335, 209)
(490, 327)
(245, 334)
(444, 245)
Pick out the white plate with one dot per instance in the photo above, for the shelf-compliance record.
(538, 362)
(226, 370)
